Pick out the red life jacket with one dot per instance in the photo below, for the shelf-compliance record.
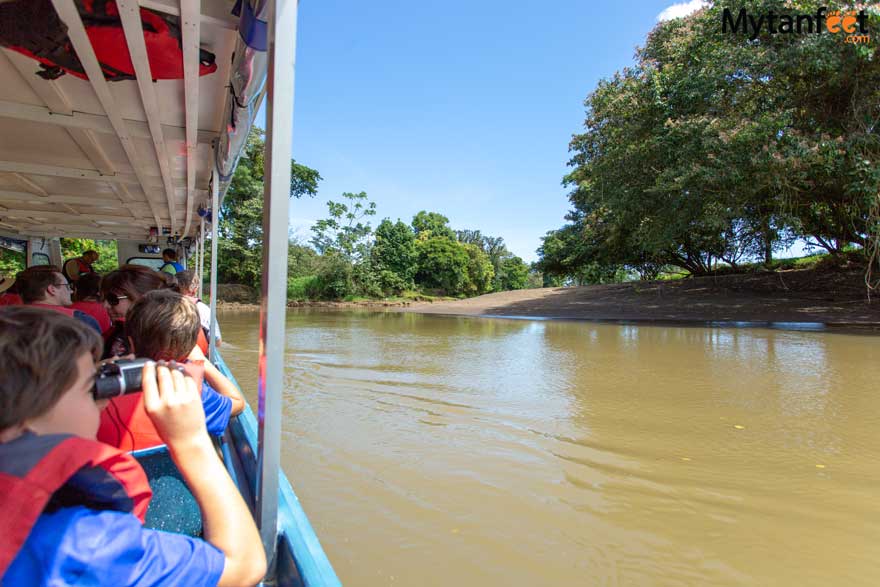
(82, 267)
(33, 28)
(45, 473)
(125, 423)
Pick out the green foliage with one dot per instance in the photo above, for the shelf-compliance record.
(394, 256)
(513, 274)
(302, 260)
(442, 264)
(240, 252)
(108, 258)
(712, 147)
(479, 271)
(298, 288)
(334, 279)
(11, 262)
(432, 224)
(345, 232)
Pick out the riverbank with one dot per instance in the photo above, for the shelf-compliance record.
(832, 297)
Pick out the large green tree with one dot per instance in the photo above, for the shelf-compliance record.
(394, 256)
(716, 147)
(241, 215)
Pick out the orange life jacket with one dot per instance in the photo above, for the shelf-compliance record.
(52, 471)
(125, 423)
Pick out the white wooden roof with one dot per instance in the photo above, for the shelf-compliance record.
(110, 160)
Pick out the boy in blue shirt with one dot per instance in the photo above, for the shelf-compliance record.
(70, 506)
(164, 325)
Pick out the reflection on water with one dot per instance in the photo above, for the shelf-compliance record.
(434, 451)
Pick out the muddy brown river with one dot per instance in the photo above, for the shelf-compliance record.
(437, 451)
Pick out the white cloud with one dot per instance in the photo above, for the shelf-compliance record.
(681, 9)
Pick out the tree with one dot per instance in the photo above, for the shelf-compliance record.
(443, 264)
(432, 223)
(514, 274)
(345, 231)
(394, 256)
(479, 271)
(240, 255)
(736, 147)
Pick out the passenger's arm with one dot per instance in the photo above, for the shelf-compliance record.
(222, 385)
(174, 405)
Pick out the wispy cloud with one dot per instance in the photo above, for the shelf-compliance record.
(681, 9)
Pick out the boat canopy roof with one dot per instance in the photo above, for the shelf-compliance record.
(114, 159)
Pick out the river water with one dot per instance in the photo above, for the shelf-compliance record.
(432, 450)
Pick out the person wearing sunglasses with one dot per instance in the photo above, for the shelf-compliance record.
(44, 286)
(120, 290)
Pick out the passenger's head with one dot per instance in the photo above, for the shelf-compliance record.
(90, 256)
(88, 287)
(126, 285)
(48, 364)
(187, 282)
(43, 284)
(169, 255)
(169, 279)
(163, 325)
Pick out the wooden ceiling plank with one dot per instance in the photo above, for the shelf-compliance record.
(93, 122)
(190, 23)
(130, 14)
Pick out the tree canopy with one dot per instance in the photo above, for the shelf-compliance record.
(239, 258)
(714, 147)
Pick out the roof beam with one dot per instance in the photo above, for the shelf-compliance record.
(72, 172)
(94, 122)
(130, 14)
(76, 32)
(68, 217)
(190, 24)
(14, 196)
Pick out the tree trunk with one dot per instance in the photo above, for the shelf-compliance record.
(768, 243)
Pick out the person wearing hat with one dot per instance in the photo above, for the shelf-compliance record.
(8, 293)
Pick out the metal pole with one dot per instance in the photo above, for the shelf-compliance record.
(215, 226)
(200, 266)
(273, 307)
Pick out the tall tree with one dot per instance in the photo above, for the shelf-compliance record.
(716, 146)
(394, 255)
(241, 213)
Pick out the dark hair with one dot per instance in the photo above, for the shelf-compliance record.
(33, 282)
(91, 253)
(38, 353)
(163, 325)
(88, 286)
(170, 253)
(133, 281)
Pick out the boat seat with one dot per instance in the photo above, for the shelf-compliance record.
(173, 507)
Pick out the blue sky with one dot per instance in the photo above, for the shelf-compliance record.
(463, 109)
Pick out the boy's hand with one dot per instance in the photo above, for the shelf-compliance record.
(173, 403)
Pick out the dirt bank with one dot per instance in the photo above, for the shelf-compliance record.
(833, 297)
